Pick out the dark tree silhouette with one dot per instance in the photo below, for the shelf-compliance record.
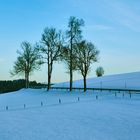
(50, 49)
(27, 61)
(99, 71)
(86, 54)
(65, 57)
(9, 86)
(74, 35)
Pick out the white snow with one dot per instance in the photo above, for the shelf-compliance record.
(121, 81)
(109, 117)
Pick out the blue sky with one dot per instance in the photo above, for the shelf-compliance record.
(112, 25)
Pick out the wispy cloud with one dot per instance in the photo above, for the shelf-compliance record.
(119, 12)
(125, 15)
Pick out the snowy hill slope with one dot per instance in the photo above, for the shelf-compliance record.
(122, 81)
(35, 114)
(108, 118)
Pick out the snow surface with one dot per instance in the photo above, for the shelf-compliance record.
(108, 118)
(120, 81)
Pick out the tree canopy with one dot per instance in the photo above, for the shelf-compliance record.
(28, 60)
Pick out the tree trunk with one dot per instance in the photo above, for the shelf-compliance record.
(71, 77)
(49, 76)
(49, 81)
(27, 80)
(48, 86)
(71, 72)
(85, 85)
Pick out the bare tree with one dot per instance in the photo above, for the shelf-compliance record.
(99, 71)
(86, 54)
(74, 34)
(50, 48)
(65, 57)
(27, 61)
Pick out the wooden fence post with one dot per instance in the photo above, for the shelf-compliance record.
(130, 95)
(96, 97)
(6, 107)
(41, 103)
(59, 101)
(123, 94)
(78, 99)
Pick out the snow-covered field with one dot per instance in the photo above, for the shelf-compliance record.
(105, 118)
(35, 114)
(121, 81)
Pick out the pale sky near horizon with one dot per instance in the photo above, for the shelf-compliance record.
(112, 25)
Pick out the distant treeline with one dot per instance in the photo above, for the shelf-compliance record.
(9, 86)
